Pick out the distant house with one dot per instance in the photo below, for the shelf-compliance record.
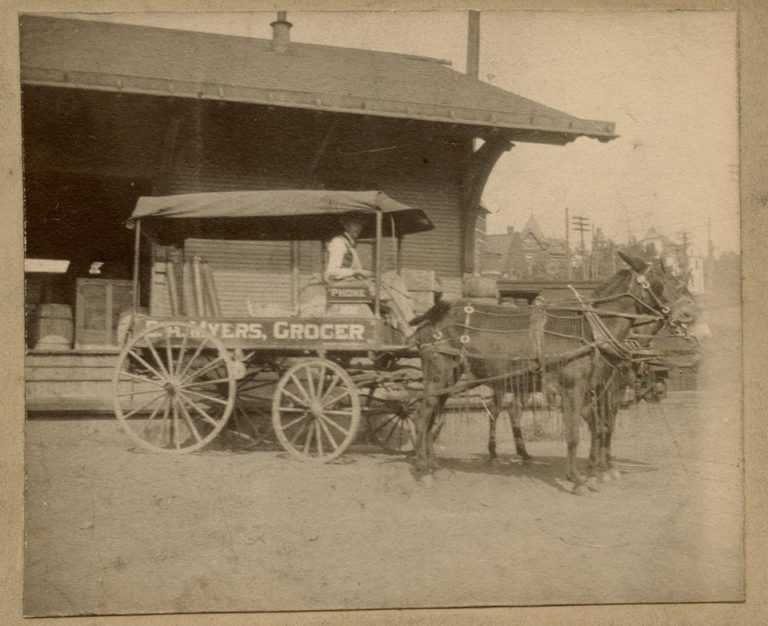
(526, 254)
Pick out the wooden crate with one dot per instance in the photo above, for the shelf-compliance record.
(99, 302)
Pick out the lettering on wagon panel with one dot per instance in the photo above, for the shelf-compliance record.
(312, 331)
(280, 330)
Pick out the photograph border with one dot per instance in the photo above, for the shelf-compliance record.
(753, 124)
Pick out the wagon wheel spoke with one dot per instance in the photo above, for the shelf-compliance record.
(310, 384)
(206, 396)
(206, 368)
(328, 434)
(301, 390)
(300, 431)
(308, 440)
(205, 382)
(335, 399)
(384, 423)
(183, 371)
(157, 358)
(335, 425)
(139, 392)
(145, 405)
(331, 387)
(319, 437)
(152, 416)
(165, 423)
(169, 354)
(206, 418)
(182, 348)
(336, 412)
(320, 381)
(143, 379)
(301, 417)
(295, 399)
(188, 420)
(138, 357)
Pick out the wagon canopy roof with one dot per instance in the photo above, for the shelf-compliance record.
(287, 214)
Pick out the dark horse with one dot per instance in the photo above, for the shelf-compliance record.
(575, 350)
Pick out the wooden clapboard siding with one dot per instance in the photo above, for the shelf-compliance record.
(258, 272)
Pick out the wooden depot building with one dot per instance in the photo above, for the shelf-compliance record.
(111, 112)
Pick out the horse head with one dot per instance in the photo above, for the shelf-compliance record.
(660, 293)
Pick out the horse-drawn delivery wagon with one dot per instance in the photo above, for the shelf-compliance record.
(180, 377)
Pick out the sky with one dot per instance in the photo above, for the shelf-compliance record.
(667, 79)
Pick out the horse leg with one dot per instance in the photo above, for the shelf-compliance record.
(493, 416)
(425, 414)
(594, 416)
(573, 401)
(612, 409)
(515, 412)
(438, 373)
(434, 431)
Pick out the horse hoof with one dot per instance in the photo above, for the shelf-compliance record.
(615, 474)
(527, 459)
(592, 485)
(494, 461)
(580, 489)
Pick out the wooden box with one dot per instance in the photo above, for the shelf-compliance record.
(99, 302)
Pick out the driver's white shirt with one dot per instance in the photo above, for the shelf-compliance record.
(342, 259)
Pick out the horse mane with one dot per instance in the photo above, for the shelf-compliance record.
(610, 287)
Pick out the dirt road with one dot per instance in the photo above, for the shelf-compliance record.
(115, 529)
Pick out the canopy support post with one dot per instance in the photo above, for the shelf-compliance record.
(136, 250)
(377, 269)
(295, 275)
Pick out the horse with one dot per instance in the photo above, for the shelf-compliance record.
(572, 350)
(607, 395)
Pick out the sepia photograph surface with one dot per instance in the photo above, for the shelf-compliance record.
(363, 310)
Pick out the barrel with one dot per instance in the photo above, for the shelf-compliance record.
(52, 327)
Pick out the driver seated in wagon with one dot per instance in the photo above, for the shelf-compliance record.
(343, 264)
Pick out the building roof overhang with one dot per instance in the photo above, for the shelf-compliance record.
(71, 53)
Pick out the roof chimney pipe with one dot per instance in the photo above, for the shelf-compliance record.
(281, 32)
(473, 45)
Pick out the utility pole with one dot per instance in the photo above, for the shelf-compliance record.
(709, 267)
(567, 246)
(581, 224)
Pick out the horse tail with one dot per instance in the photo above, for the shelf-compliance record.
(436, 313)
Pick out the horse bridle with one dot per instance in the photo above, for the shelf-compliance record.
(661, 309)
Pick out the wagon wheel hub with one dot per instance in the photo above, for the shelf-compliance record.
(315, 408)
(171, 388)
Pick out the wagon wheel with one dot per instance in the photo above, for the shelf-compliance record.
(316, 410)
(174, 387)
(389, 423)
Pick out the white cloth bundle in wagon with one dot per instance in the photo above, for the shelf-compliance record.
(300, 215)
